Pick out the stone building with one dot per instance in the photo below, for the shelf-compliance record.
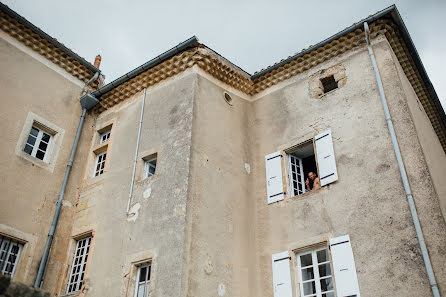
(188, 177)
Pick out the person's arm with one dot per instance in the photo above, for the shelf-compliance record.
(307, 184)
(317, 183)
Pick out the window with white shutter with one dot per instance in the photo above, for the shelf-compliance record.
(344, 269)
(274, 181)
(325, 158)
(281, 275)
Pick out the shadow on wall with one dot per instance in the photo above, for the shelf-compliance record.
(12, 289)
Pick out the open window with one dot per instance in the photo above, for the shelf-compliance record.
(313, 160)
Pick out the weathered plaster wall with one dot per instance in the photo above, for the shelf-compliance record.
(156, 230)
(29, 191)
(368, 201)
(221, 243)
(433, 153)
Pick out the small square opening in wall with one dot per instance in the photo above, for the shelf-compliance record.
(329, 83)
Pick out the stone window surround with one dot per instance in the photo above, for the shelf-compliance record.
(131, 270)
(69, 262)
(53, 149)
(97, 148)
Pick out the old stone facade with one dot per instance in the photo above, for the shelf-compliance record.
(201, 217)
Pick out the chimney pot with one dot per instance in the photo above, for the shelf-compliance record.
(97, 61)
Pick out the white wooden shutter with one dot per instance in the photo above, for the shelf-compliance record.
(274, 184)
(325, 158)
(344, 269)
(281, 275)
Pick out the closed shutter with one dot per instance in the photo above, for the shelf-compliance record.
(274, 184)
(281, 275)
(344, 267)
(325, 158)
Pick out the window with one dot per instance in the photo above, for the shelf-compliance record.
(9, 255)
(100, 163)
(104, 136)
(142, 280)
(315, 275)
(300, 163)
(76, 278)
(149, 167)
(37, 144)
(329, 83)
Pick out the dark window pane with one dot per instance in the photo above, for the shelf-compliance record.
(331, 294)
(46, 137)
(326, 284)
(324, 270)
(152, 170)
(307, 274)
(40, 155)
(306, 260)
(28, 149)
(309, 288)
(150, 268)
(34, 131)
(43, 146)
(142, 274)
(322, 256)
(153, 162)
(31, 140)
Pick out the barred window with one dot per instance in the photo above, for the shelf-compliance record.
(9, 255)
(77, 273)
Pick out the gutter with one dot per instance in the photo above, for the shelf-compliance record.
(47, 37)
(87, 102)
(191, 42)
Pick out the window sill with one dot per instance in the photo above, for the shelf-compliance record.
(308, 194)
(74, 294)
(35, 161)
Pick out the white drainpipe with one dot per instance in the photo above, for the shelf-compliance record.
(396, 148)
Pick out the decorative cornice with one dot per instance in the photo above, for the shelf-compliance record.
(37, 43)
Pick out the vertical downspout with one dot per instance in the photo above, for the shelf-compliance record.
(49, 241)
(136, 153)
(413, 210)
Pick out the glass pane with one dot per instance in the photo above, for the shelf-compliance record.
(322, 256)
(34, 131)
(324, 270)
(306, 260)
(142, 274)
(326, 284)
(141, 290)
(28, 149)
(152, 170)
(331, 294)
(153, 162)
(43, 146)
(307, 274)
(309, 288)
(40, 155)
(31, 140)
(46, 137)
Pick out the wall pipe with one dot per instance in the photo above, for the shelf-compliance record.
(47, 251)
(136, 152)
(413, 210)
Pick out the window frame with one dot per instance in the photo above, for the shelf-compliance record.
(289, 173)
(148, 165)
(146, 282)
(316, 274)
(100, 163)
(82, 264)
(106, 135)
(38, 140)
(6, 260)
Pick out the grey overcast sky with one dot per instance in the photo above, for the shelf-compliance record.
(252, 34)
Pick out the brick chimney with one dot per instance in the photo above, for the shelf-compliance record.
(97, 61)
